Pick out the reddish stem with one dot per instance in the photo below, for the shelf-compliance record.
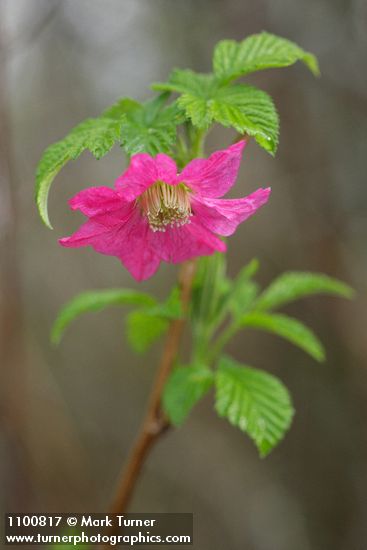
(155, 422)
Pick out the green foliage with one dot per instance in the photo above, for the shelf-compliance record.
(210, 293)
(196, 89)
(244, 290)
(293, 285)
(257, 52)
(216, 297)
(146, 325)
(254, 401)
(184, 388)
(245, 108)
(151, 127)
(143, 329)
(98, 135)
(249, 111)
(292, 330)
(95, 300)
(251, 399)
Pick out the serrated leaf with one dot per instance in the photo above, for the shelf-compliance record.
(197, 91)
(184, 388)
(185, 81)
(119, 109)
(254, 401)
(257, 52)
(151, 127)
(143, 329)
(293, 285)
(250, 111)
(95, 301)
(98, 135)
(291, 329)
(245, 108)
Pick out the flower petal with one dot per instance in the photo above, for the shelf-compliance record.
(103, 204)
(137, 253)
(143, 171)
(222, 216)
(214, 176)
(128, 241)
(178, 244)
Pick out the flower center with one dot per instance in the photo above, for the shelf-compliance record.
(166, 205)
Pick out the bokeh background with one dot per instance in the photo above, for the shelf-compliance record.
(69, 414)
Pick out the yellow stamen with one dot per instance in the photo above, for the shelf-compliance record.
(166, 205)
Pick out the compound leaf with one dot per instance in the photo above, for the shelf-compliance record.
(245, 108)
(151, 127)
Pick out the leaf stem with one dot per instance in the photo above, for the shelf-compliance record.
(222, 340)
(155, 422)
(197, 143)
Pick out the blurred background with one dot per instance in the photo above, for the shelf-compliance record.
(69, 414)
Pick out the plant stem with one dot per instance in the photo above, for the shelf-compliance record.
(155, 422)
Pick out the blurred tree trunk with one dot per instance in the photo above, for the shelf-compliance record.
(12, 349)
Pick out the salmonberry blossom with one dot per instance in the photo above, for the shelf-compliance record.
(156, 214)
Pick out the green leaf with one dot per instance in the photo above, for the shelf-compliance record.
(123, 106)
(151, 127)
(98, 135)
(184, 388)
(292, 330)
(243, 297)
(244, 290)
(293, 285)
(185, 81)
(250, 111)
(143, 329)
(171, 308)
(146, 325)
(198, 90)
(94, 301)
(254, 401)
(249, 270)
(245, 108)
(257, 52)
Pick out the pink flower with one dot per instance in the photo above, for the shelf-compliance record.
(155, 214)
